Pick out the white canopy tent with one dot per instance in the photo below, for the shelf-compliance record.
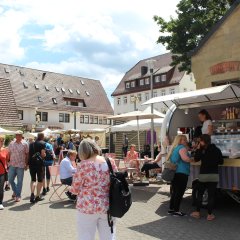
(144, 124)
(138, 115)
(47, 132)
(199, 98)
(6, 132)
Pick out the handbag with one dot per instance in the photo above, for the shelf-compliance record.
(169, 171)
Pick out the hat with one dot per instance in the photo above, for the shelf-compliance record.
(19, 132)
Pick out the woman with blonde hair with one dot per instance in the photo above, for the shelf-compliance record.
(91, 184)
(4, 158)
(179, 156)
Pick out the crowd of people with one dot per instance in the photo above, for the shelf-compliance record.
(89, 180)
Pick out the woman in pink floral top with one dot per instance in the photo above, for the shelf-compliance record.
(91, 183)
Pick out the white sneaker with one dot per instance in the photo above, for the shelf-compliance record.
(1, 207)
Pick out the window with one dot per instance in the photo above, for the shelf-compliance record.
(146, 96)
(141, 82)
(118, 101)
(57, 89)
(43, 116)
(70, 103)
(139, 97)
(91, 119)
(157, 79)
(164, 78)
(36, 86)
(70, 90)
(125, 100)
(63, 89)
(25, 85)
(20, 114)
(86, 119)
(172, 91)
(155, 94)
(100, 120)
(40, 99)
(47, 88)
(87, 93)
(104, 121)
(109, 122)
(163, 93)
(133, 84)
(82, 82)
(95, 121)
(64, 117)
(127, 85)
(54, 100)
(82, 119)
(78, 92)
(147, 81)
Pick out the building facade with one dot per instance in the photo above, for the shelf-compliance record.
(57, 101)
(134, 88)
(216, 61)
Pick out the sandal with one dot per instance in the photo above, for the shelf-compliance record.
(211, 217)
(195, 215)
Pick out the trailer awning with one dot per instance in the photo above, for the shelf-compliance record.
(208, 96)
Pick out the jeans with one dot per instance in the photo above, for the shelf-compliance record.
(88, 223)
(179, 185)
(2, 181)
(211, 188)
(148, 166)
(12, 174)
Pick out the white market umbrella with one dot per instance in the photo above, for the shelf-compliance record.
(58, 131)
(47, 132)
(29, 135)
(138, 115)
(6, 132)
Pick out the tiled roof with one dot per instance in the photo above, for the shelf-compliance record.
(161, 65)
(91, 91)
(216, 27)
(8, 110)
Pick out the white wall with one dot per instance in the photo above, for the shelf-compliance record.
(187, 83)
(53, 119)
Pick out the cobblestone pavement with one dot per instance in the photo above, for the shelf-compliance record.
(147, 219)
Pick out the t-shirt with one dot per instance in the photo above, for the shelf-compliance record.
(205, 126)
(3, 159)
(182, 166)
(35, 147)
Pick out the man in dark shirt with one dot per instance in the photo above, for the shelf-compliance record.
(211, 158)
(37, 154)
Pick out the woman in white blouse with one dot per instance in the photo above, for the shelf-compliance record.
(206, 119)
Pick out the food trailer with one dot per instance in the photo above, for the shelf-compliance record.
(223, 104)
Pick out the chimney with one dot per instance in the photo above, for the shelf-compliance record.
(144, 70)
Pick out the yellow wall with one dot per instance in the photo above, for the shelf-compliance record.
(223, 46)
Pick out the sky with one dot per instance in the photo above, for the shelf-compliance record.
(94, 39)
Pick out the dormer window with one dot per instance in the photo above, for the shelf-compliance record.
(36, 86)
(82, 82)
(133, 84)
(57, 89)
(141, 82)
(63, 89)
(25, 85)
(87, 93)
(70, 90)
(128, 85)
(47, 88)
(147, 81)
(78, 92)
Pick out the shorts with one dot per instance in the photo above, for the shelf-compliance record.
(67, 181)
(36, 172)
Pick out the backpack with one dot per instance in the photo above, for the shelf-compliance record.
(120, 199)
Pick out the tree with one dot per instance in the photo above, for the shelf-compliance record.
(195, 18)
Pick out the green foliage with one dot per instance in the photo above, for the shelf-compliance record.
(195, 18)
(8, 139)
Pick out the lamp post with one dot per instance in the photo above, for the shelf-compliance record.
(151, 67)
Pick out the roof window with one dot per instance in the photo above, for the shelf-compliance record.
(25, 85)
(54, 100)
(78, 92)
(47, 88)
(36, 86)
(70, 90)
(7, 70)
(40, 99)
(63, 89)
(57, 89)
(82, 82)
(87, 93)
(21, 72)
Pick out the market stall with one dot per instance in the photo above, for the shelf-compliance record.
(223, 104)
